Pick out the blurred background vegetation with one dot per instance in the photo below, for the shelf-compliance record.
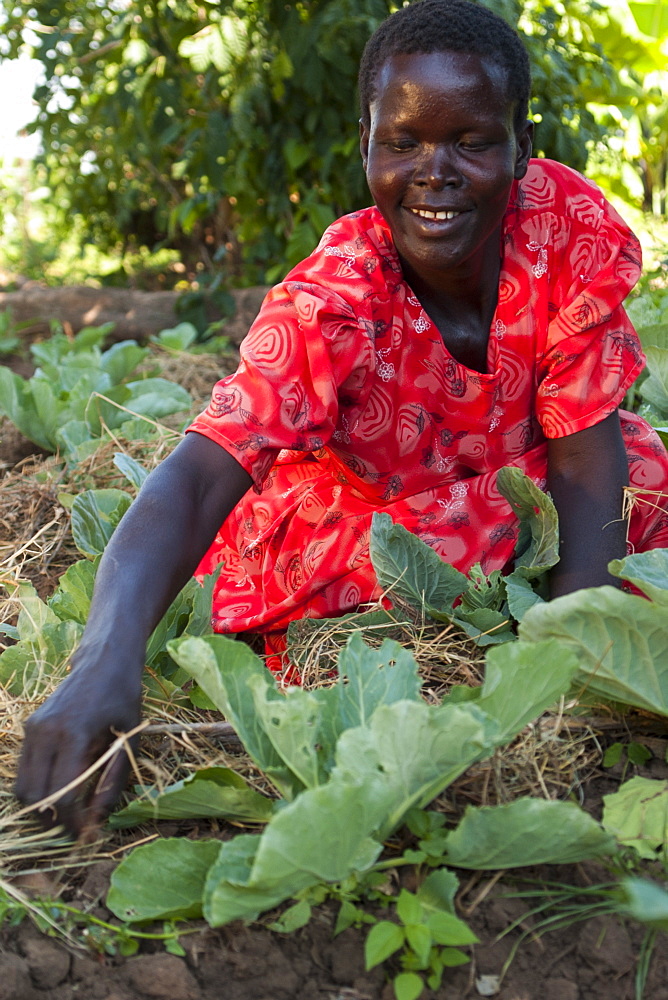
(203, 144)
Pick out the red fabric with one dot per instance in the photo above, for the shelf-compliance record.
(346, 401)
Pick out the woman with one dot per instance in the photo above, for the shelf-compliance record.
(470, 320)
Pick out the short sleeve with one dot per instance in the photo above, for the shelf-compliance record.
(304, 344)
(592, 352)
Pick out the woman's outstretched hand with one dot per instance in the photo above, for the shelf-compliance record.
(72, 729)
(151, 555)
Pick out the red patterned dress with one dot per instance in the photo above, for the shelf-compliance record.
(346, 401)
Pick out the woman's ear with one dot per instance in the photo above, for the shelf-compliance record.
(364, 143)
(524, 147)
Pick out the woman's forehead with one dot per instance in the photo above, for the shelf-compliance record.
(419, 74)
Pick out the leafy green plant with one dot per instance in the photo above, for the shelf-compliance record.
(620, 639)
(47, 633)
(79, 390)
(629, 754)
(488, 606)
(80, 929)
(350, 761)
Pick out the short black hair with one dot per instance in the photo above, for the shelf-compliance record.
(447, 26)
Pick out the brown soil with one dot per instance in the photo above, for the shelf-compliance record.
(595, 960)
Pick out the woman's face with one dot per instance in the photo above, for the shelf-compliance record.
(440, 157)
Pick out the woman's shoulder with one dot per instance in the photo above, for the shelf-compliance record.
(355, 265)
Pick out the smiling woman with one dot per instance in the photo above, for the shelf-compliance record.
(441, 153)
(471, 319)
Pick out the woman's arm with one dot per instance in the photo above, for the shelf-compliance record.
(587, 472)
(151, 555)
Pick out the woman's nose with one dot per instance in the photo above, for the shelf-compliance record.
(437, 169)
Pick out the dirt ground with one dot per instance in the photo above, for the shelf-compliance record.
(592, 960)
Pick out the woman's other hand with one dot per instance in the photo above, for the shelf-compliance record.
(587, 473)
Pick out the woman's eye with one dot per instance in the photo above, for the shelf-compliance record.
(475, 145)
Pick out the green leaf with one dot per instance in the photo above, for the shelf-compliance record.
(131, 469)
(638, 754)
(121, 359)
(291, 723)
(212, 791)
(542, 671)
(162, 880)
(485, 626)
(648, 571)
(409, 909)
(538, 544)
(157, 397)
(613, 755)
(382, 941)
(437, 892)
(34, 613)
(28, 669)
(348, 915)
(452, 957)
(367, 679)
(224, 669)
(448, 929)
(229, 893)
(645, 902)
(178, 338)
(17, 404)
(525, 832)
(293, 918)
(419, 939)
(655, 388)
(71, 601)
(407, 986)
(620, 640)
(408, 753)
(410, 569)
(637, 815)
(520, 595)
(95, 516)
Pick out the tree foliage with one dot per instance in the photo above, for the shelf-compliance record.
(228, 128)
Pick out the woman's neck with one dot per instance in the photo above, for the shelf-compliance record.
(461, 304)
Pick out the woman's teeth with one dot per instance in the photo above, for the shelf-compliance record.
(441, 216)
